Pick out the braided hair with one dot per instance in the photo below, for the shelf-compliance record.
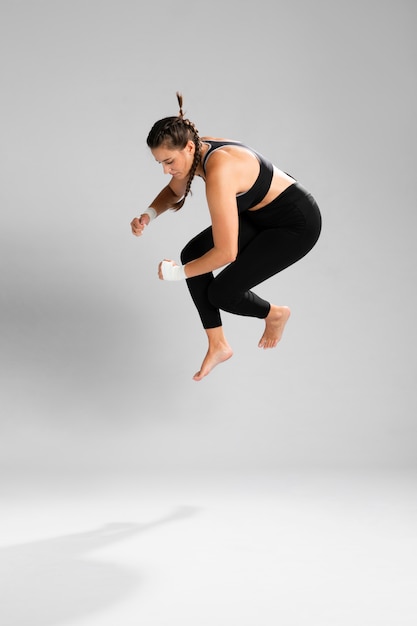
(175, 132)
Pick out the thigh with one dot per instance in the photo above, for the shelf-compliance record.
(264, 255)
(197, 246)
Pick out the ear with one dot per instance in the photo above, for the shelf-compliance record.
(190, 146)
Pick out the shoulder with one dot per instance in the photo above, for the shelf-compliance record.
(220, 160)
(216, 149)
(227, 154)
(225, 161)
(222, 174)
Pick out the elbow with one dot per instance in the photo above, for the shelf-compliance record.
(233, 254)
(227, 256)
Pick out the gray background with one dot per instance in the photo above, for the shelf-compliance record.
(97, 355)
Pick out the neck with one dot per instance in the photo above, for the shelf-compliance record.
(204, 147)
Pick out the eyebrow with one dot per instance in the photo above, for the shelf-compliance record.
(163, 160)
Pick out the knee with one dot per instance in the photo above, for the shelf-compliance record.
(219, 296)
(198, 246)
(187, 254)
(192, 250)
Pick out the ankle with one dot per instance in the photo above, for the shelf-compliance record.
(215, 336)
(277, 311)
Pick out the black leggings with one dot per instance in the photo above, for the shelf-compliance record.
(270, 239)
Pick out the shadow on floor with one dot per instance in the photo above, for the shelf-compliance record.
(54, 580)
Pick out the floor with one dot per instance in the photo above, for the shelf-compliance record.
(210, 549)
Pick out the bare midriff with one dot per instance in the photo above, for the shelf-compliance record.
(280, 182)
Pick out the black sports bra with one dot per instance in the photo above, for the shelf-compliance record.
(260, 187)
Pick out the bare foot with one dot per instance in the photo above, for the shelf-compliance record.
(214, 356)
(274, 326)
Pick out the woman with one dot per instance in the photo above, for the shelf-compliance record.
(262, 221)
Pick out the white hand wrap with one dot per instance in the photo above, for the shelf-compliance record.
(170, 271)
(151, 212)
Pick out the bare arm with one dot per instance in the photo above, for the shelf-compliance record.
(221, 189)
(164, 200)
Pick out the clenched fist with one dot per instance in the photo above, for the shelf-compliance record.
(138, 224)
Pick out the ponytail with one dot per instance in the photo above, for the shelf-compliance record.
(175, 132)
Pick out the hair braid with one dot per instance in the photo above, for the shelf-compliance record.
(197, 157)
(179, 98)
(175, 132)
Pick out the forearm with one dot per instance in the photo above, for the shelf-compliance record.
(210, 261)
(164, 200)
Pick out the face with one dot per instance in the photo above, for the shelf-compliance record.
(176, 163)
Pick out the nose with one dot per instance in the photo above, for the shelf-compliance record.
(166, 168)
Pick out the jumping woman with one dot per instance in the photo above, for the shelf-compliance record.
(262, 221)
